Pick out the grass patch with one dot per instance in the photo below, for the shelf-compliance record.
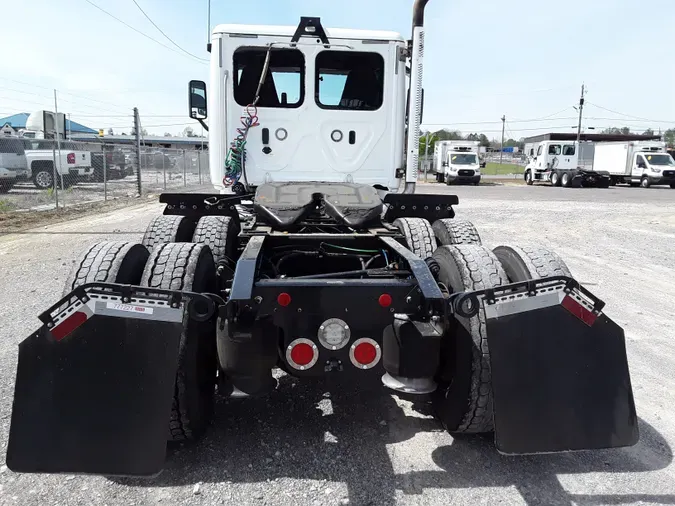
(495, 169)
(6, 206)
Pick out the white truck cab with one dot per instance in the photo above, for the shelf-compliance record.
(549, 155)
(308, 104)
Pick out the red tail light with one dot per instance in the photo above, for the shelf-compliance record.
(302, 354)
(385, 300)
(70, 158)
(283, 299)
(365, 353)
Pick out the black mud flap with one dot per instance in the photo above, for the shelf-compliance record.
(560, 376)
(94, 386)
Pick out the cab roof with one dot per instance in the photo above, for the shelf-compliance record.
(288, 31)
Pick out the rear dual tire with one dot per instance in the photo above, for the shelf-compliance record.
(530, 262)
(165, 229)
(555, 179)
(172, 266)
(450, 231)
(463, 400)
(189, 267)
(418, 234)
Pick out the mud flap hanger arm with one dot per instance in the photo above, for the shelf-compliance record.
(467, 304)
(201, 306)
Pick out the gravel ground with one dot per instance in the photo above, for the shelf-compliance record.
(328, 444)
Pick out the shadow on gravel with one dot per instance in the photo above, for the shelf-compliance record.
(473, 462)
(302, 432)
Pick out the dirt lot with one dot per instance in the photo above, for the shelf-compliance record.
(319, 443)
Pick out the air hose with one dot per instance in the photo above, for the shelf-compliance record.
(236, 156)
(234, 162)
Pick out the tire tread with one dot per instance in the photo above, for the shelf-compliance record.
(418, 234)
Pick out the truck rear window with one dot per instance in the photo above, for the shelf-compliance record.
(13, 146)
(284, 82)
(349, 80)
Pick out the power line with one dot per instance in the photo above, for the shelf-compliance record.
(165, 35)
(93, 107)
(544, 117)
(135, 29)
(627, 115)
(156, 126)
(43, 104)
(77, 95)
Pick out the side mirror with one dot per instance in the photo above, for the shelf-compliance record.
(197, 98)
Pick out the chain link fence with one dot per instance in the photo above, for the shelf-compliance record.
(45, 174)
(172, 169)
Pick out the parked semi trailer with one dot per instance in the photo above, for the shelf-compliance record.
(643, 163)
(308, 260)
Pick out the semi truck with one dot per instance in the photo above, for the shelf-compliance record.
(643, 163)
(458, 161)
(557, 162)
(316, 257)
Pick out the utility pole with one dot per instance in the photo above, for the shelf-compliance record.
(426, 155)
(58, 147)
(501, 148)
(581, 110)
(137, 133)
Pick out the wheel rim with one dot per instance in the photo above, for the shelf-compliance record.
(644, 183)
(565, 179)
(554, 178)
(43, 179)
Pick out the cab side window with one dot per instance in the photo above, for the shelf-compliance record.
(568, 150)
(554, 149)
(539, 149)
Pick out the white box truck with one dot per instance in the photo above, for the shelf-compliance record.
(457, 161)
(637, 162)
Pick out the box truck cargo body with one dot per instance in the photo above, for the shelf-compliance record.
(645, 163)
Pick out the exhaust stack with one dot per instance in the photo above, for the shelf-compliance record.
(416, 68)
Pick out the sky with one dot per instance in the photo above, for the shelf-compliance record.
(525, 59)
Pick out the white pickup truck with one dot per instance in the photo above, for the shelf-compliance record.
(73, 165)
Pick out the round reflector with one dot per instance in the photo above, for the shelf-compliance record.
(385, 300)
(365, 353)
(283, 299)
(302, 354)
